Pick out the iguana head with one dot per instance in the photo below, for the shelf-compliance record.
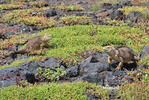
(47, 37)
(109, 49)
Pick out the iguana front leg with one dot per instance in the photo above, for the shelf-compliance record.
(42, 48)
(109, 60)
(120, 64)
(116, 53)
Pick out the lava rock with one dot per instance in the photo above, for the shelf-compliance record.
(116, 6)
(116, 15)
(50, 13)
(91, 97)
(25, 28)
(2, 36)
(134, 16)
(27, 70)
(52, 62)
(90, 70)
(72, 71)
(6, 83)
(106, 5)
(96, 57)
(11, 73)
(9, 33)
(144, 52)
(126, 3)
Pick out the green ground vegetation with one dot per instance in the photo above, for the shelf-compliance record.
(143, 10)
(54, 91)
(70, 41)
(138, 89)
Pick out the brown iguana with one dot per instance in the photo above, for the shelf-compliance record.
(35, 45)
(121, 54)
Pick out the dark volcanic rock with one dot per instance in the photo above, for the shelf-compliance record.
(90, 71)
(144, 52)
(2, 36)
(134, 16)
(106, 5)
(6, 83)
(52, 62)
(72, 71)
(25, 28)
(116, 6)
(9, 33)
(50, 13)
(126, 3)
(117, 15)
(95, 57)
(27, 70)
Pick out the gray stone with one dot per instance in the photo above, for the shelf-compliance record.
(144, 52)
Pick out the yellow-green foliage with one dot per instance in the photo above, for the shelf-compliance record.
(10, 6)
(74, 20)
(139, 1)
(69, 39)
(13, 40)
(25, 16)
(144, 61)
(40, 22)
(73, 38)
(134, 91)
(53, 91)
(70, 7)
(143, 10)
(38, 3)
(115, 22)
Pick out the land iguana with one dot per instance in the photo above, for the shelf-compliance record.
(121, 54)
(35, 45)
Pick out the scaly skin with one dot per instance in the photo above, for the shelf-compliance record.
(35, 45)
(121, 54)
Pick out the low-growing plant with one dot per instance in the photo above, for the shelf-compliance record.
(134, 91)
(75, 7)
(39, 4)
(75, 20)
(40, 22)
(70, 42)
(11, 6)
(17, 16)
(49, 74)
(137, 87)
(54, 91)
(143, 10)
(144, 61)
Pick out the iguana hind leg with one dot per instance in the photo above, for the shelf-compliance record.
(120, 64)
(109, 60)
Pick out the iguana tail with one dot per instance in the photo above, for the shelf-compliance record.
(16, 52)
(20, 51)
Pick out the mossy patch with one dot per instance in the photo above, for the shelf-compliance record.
(39, 4)
(10, 6)
(13, 40)
(68, 40)
(144, 61)
(39, 22)
(53, 91)
(76, 20)
(143, 10)
(74, 7)
(26, 17)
